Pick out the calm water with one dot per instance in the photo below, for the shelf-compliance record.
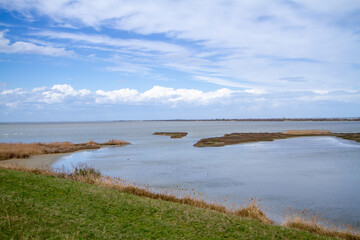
(317, 173)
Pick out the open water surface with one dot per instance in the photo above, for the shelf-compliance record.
(317, 173)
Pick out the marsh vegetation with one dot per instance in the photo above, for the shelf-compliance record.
(25, 150)
(172, 134)
(236, 138)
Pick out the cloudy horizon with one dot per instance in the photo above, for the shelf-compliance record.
(79, 60)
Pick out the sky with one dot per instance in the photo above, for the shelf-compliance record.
(87, 60)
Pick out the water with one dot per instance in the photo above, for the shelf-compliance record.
(317, 173)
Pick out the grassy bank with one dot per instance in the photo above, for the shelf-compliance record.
(46, 207)
(25, 150)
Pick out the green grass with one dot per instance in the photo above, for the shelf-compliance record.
(44, 207)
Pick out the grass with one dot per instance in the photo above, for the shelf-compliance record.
(237, 138)
(172, 134)
(83, 173)
(25, 150)
(54, 206)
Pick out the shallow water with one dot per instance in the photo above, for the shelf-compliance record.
(317, 173)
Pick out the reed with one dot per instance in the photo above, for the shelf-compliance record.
(314, 223)
(25, 150)
(253, 210)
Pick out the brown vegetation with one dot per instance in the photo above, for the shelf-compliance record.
(349, 136)
(25, 150)
(308, 132)
(253, 210)
(172, 134)
(314, 223)
(236, 138)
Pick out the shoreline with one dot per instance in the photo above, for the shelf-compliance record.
(43, 161)
(340, 119)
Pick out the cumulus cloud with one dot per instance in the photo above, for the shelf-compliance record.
(163, 95)
(66, 94)
(59, 92)
(30, 48)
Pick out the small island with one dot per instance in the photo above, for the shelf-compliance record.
(237, 138)
(172, 134)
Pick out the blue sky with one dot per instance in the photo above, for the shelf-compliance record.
(129, 60)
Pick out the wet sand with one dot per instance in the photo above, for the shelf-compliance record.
(44, 161)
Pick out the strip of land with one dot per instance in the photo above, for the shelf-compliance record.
(264, 119)
(54, 206)
(237, 138)
(25, 150)
(172, 134)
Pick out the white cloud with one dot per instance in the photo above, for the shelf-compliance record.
(227, 103)
(6, 92)
(255, 91)
(30, 48)
(250, 44)
(17, 91)
(39, 89)
(321, 92)
(135, 44)
(59, 92)
(66, 94)
(117, 96)
(163, 95)
(220, 81)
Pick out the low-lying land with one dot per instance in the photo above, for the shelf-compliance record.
(266, 119)
(48, 205)
(236, 138)
(172, 134)
(25, 150)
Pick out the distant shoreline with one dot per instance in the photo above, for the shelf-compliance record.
(262, 120)
(350, 119)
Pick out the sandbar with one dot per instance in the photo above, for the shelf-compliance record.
(44, 161)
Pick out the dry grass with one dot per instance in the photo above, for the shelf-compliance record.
(25, 150)
(349, 136)
(314, 223)
(172, 134)
(253, 210)
(115, 142)
(308, 132)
